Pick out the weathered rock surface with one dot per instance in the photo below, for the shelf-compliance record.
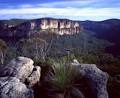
(13, 78)
(96, 78)
(35, 76)
(11, 87)
(20, 75)
(59, 26)
(20, 67)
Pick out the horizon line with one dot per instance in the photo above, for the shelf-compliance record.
(59, 18)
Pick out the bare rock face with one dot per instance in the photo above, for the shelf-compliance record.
(13, 78)
(58, 26)
(20, 67)
(11, 87)
(34, 77)
(96, 78)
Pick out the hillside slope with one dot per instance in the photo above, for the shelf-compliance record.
(108, 30)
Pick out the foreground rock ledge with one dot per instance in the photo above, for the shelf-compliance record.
(97, 79)
(11, 87)
(20, 67)
(14, 76)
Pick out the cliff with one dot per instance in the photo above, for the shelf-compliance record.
(59, 26)
(18, 28)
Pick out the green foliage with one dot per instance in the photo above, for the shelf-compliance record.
(82, 43)
(67, 58)
(107, 58)
(10, 54)
(88, 58)
(63, 76)
(3, 45)
(34, 48)
(50, 61)
(104, 61)
(3, 48)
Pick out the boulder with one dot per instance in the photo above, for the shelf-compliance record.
(20, 67)
(18, 77)
(96, 78)
(11, 87)
(35, 76)
(23, 69)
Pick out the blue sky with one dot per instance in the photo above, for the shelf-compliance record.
(71, 9)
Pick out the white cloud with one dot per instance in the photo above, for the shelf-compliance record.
(50, 10)
(25, 6)
(64, 11)
(69, 3)
(65, 3)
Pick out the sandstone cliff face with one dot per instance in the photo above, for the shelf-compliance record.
(59, 26)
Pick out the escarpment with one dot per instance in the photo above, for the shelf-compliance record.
(57, 26)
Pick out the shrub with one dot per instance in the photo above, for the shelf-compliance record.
(50, 61)
(63, 76)
(34, 48)
(10, 54)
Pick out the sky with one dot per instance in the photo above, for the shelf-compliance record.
(71, 9)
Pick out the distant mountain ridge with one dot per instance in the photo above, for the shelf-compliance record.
(104, 28)
(107, 29)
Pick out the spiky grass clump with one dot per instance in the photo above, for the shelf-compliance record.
(63, 76)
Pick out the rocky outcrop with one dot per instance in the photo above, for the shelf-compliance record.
(18, 77)
(20, 67)
(58, 26)
(34, 77)
(11, 87)
(96, 78)
(26, 28)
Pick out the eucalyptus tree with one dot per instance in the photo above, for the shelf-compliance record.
(37, 45)
(34, 48)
